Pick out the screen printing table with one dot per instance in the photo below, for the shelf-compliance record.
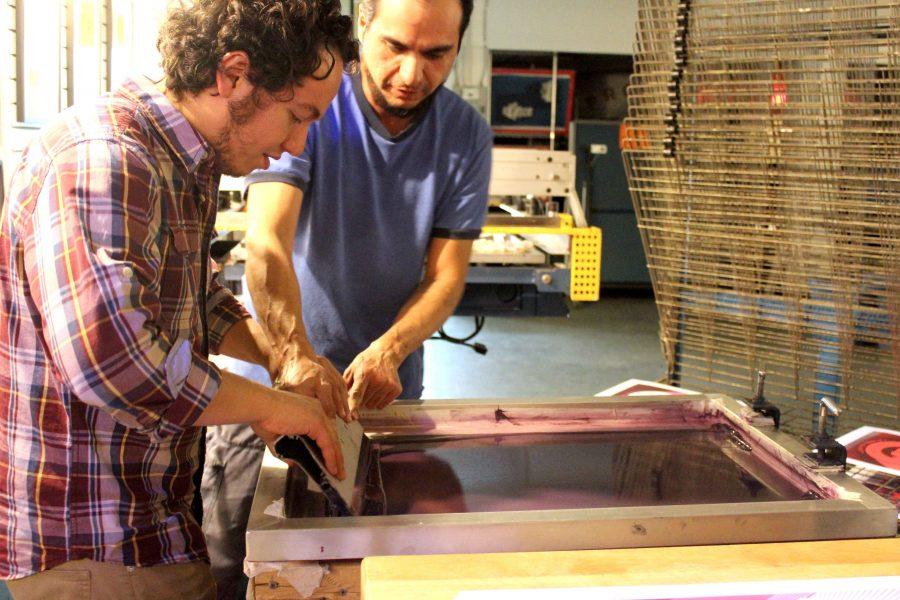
(541, 477)
(443, 577)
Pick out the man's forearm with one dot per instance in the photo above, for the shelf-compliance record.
(238, 400)
(246, 341)
(272, 413)
(273, 210)
(432, 302)
(423, 314)
(276, 297)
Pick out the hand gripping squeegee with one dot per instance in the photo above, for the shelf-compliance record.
(344, 496)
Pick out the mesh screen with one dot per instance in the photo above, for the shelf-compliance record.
(763, 155)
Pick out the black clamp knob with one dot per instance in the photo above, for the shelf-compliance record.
(827, 452)
(761, 405)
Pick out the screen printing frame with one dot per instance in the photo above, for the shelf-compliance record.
(847, 509)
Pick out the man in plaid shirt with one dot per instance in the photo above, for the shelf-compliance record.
(108, 312)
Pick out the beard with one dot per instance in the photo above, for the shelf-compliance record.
(224, 161)
(239, 113)
(382, 102)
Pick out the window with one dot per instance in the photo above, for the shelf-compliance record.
(88, 74)
(40, 83)
(120, 35)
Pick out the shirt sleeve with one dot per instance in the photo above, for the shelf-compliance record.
(461, 213)
(223, 311)
(93, 259)
(290, 169)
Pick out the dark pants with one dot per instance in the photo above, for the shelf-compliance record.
(233, 458)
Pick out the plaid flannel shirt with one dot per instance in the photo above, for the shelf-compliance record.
(101, 369)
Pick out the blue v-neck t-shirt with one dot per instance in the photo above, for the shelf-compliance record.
(371, 204)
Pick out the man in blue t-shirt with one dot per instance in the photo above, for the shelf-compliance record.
(373, 224)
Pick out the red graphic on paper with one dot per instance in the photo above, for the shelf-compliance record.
(878, 448)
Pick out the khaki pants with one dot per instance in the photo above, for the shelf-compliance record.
(91, 580)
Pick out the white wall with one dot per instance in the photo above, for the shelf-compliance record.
(587, 26)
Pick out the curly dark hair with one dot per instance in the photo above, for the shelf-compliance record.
(284, 39)
(369, 8)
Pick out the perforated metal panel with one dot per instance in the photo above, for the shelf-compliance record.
(585, 283)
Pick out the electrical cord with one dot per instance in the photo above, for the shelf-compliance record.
(464, 341)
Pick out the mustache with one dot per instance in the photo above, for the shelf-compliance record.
(421, 89)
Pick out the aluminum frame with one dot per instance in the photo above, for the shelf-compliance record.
(849, 509)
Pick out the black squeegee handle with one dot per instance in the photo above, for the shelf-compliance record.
(303, 451)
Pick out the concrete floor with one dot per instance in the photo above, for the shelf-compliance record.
(598, 345)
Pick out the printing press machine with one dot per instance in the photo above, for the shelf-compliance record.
(530, 259)
(558, 474)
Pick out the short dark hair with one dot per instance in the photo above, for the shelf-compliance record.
(284, 40)
(368, 9)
